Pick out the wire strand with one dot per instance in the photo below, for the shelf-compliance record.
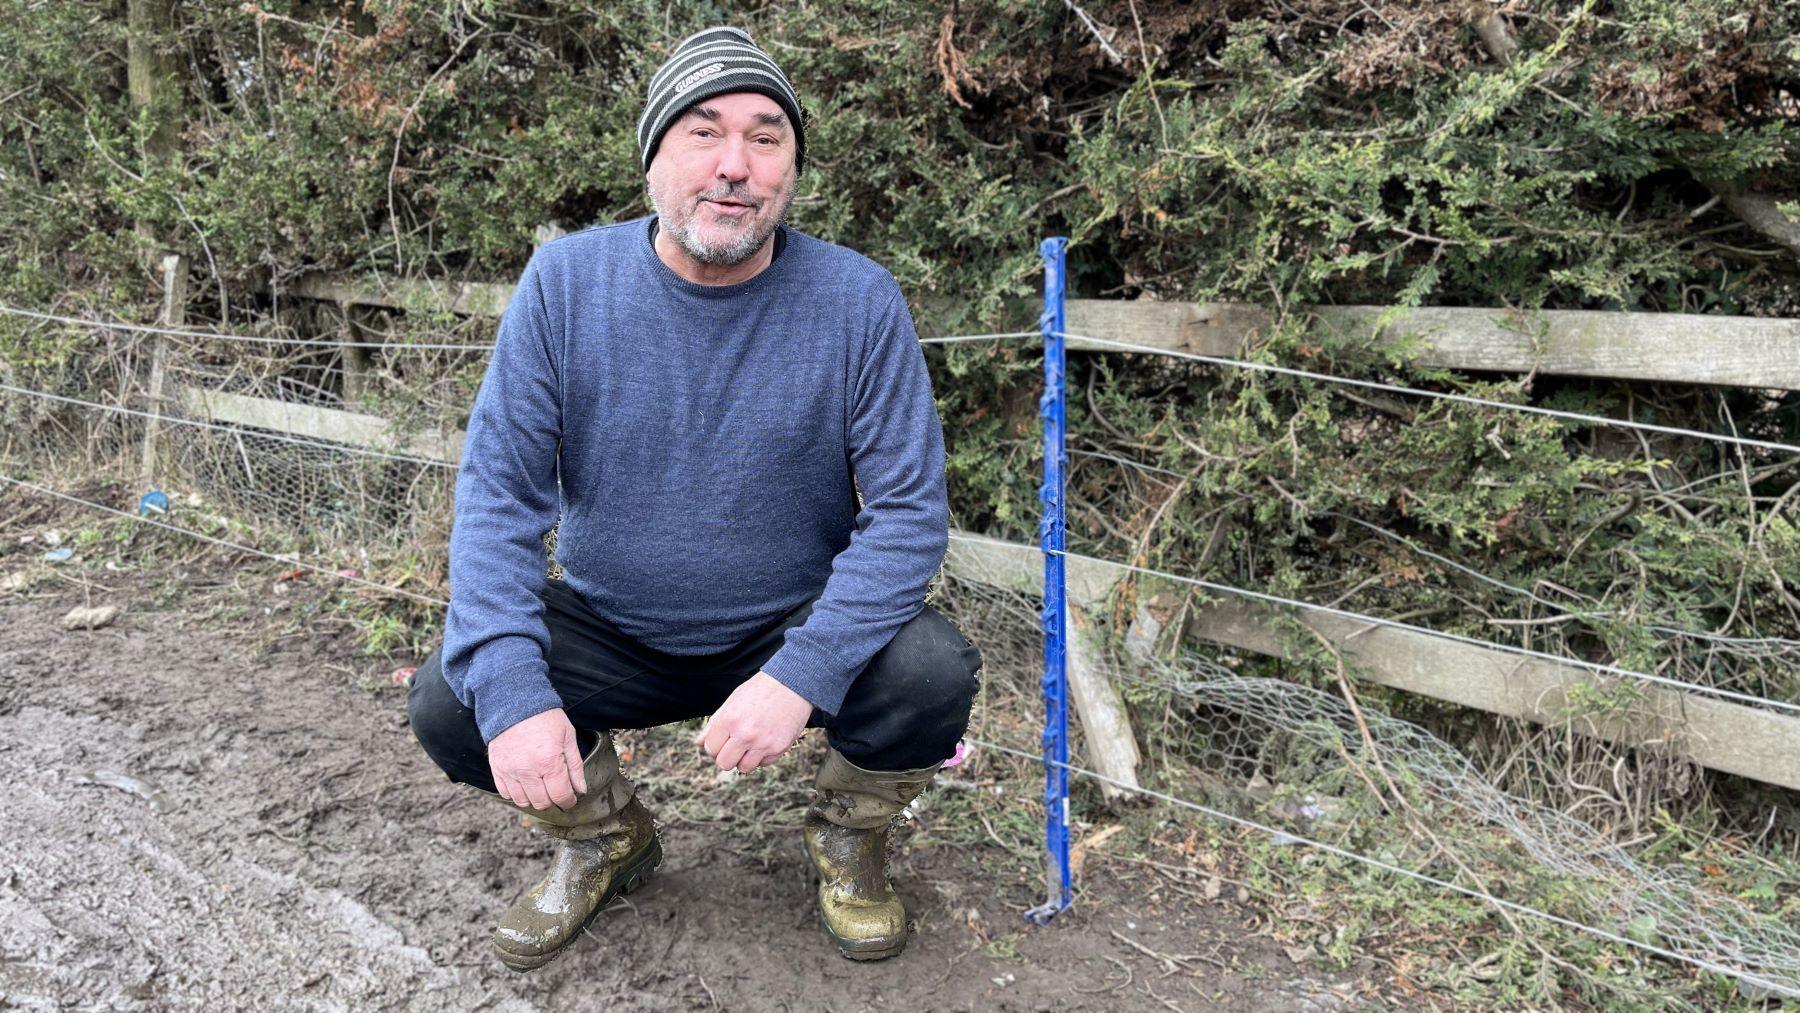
(1593, 666)
(120, 325)
(1122, 460)
(1743, 975)
(1674, 631)
(452, 466)
(374, 585)
(342, 448)
(950, 338)
(1208, 585)
(1598, 420)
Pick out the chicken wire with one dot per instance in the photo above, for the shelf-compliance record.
(384, 491)
(252, 461)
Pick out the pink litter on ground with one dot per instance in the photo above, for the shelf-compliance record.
(402, 676)
(961, 754)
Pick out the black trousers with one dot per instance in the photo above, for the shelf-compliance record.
(906, 709)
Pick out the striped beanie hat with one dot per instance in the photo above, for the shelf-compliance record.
(711, 62)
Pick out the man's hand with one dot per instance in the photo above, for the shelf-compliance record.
(536, 762)
(759, 721)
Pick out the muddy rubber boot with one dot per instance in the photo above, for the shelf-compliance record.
(606, 846)
(846, 831)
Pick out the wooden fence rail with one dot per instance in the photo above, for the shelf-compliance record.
(1762, 352)
(1676, 347)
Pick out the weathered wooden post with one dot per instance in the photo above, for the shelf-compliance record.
(1105, 727)
(174, 314)
(352, 354)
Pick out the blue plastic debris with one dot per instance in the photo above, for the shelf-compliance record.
(59, 555)
(154, 502)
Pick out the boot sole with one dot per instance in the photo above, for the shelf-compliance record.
(628, 878)
(851, 952)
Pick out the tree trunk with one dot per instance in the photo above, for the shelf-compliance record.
(152, 65)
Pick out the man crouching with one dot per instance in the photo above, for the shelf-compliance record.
(731, 426)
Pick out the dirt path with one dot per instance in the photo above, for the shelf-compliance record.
(311, 857)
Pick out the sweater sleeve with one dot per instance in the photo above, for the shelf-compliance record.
(495, 641)
(878, 582)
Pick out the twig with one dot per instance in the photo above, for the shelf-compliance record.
(1094, 27)
(1168, 958)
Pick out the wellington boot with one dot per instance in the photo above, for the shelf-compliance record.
(846, 831)
(606, 846)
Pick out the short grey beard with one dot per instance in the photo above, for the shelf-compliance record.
(733, 253)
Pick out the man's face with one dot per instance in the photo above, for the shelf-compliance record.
(723, 177)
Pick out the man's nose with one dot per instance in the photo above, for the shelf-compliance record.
(734, 160)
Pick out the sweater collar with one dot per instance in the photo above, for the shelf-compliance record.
(777, 262)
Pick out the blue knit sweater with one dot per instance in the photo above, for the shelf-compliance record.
(699, 442)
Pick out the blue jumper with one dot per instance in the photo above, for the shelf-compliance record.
(699, 443)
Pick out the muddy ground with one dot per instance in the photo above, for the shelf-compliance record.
(287, 845)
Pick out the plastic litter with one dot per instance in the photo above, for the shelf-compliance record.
(59, 555)
(153, 502)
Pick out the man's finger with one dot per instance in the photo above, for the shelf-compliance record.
(561, 792)
(730, 753)
(751, 760)
(572, 757)
(507, 787)
(715, 739)
(535, 794)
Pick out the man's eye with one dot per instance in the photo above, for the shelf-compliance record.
(702, 132)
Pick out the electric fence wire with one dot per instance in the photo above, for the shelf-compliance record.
(1574, 613)
(262, 433)
(1738, 973)
(998, 336)
(1675, 631)
(1127, 461)
(472, 346)
(1594, 420)
(178, 529)
(119, 325)
(1526, 652)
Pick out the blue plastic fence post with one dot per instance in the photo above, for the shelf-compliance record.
(1052, 407)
